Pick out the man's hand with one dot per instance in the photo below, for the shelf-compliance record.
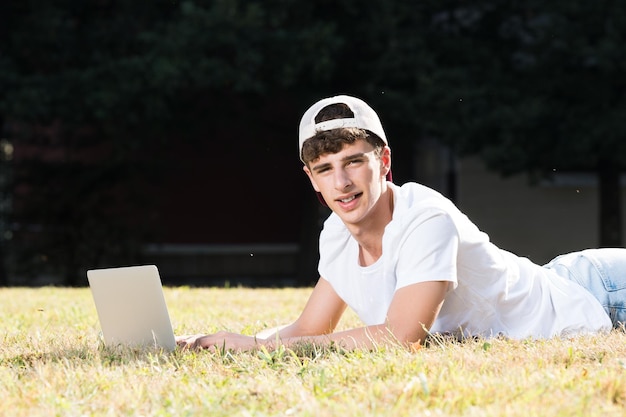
(218, 341)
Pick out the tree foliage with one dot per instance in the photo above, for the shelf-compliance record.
(542, 87)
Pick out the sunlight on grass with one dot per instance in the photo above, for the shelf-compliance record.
(52, 362)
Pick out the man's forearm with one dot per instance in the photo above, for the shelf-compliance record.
(367, 337)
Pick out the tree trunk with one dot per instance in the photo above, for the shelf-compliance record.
(610, 204)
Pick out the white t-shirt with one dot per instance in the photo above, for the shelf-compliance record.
(491, 292)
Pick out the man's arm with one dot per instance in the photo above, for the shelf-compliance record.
(320, 316)
(412, 312)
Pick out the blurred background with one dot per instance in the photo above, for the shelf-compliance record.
(165, 131)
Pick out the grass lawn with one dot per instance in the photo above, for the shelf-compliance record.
(52, 362)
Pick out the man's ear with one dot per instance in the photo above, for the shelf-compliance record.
(385, 161)
(308, 173)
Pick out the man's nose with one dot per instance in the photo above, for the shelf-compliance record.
(342, 180)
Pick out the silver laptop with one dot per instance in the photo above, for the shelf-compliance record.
(131, 307)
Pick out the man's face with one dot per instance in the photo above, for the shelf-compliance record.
(351, 180)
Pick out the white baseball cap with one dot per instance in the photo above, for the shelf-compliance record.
(364, 118)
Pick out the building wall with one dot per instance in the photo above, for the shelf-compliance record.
(539, 221)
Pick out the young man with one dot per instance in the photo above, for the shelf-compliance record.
(409, 262)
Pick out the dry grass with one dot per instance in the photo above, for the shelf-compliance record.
(52, 362)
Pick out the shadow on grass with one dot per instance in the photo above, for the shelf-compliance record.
(70, 356)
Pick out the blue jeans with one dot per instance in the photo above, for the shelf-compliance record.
(602, 272)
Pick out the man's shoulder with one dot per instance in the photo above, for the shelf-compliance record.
(412, 194)
(416, 203)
